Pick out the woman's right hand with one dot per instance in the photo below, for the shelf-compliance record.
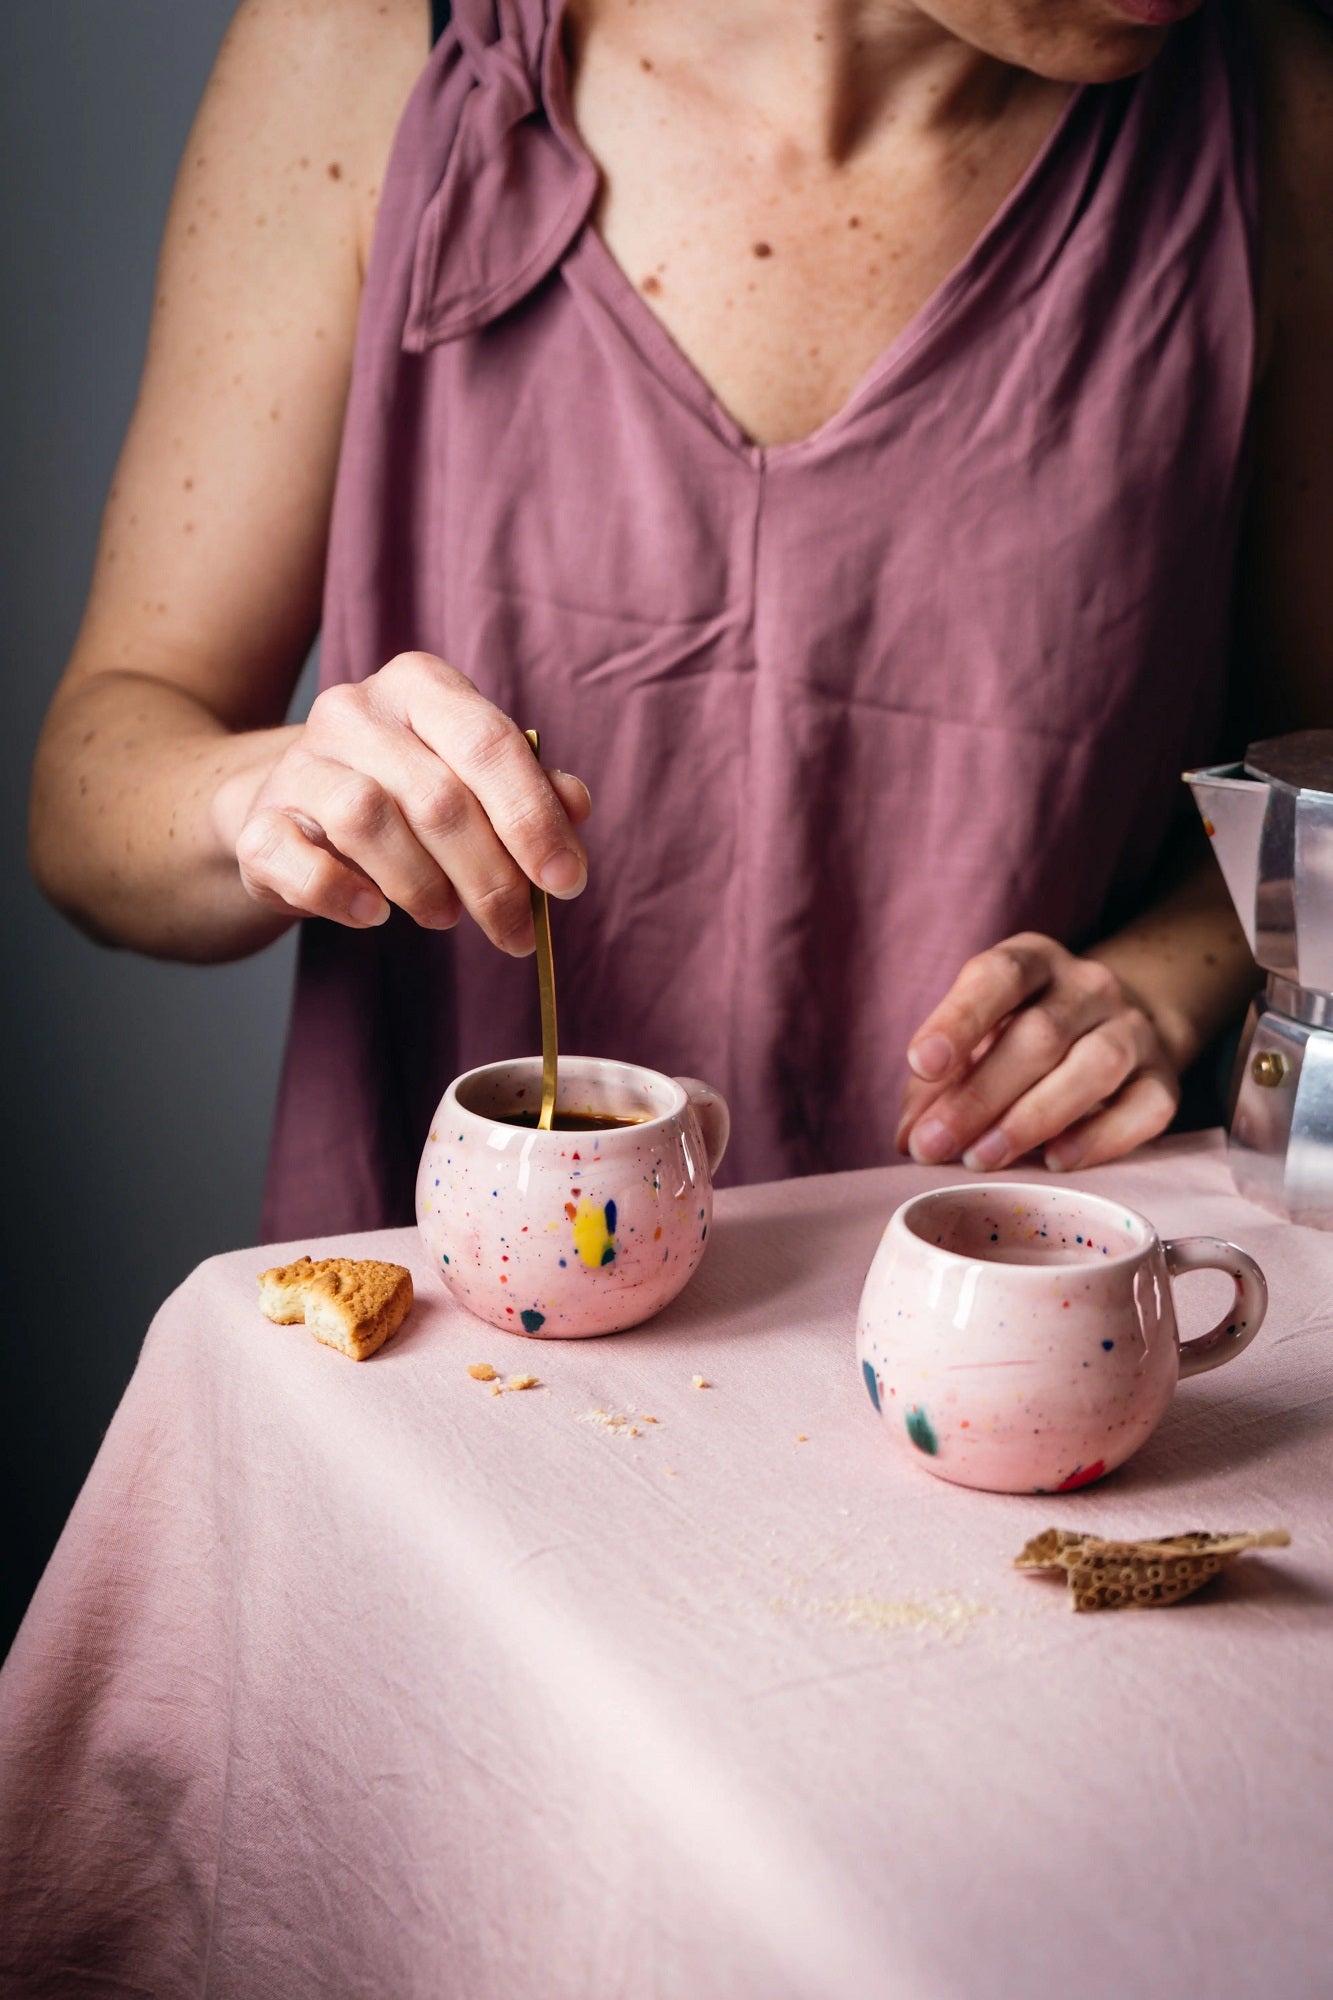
(409, 788)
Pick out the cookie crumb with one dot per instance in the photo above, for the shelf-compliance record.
(801, 1438)
(699, 1382)
(482, 1371)
(496, 1390)
(522, 1382)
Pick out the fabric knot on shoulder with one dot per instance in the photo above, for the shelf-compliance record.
(518, 187)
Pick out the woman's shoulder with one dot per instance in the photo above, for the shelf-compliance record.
(1294, 42)
(1287, 19)
(327, 80)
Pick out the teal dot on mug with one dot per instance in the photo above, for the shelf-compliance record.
(921, 1431)
(532, 1320)
(871, 1384)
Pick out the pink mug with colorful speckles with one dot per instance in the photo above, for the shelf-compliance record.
(559, 1234)
(1024, 1339)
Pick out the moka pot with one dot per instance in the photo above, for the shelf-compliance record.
(1270, 820)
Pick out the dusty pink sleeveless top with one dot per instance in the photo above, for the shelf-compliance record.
(850, 709)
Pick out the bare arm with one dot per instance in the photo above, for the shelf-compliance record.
(1035, 1047)
(172, 810)
(206, 589)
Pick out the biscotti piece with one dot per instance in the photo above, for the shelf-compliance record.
(351, 1303)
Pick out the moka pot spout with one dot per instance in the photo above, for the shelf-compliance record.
(1233, 807)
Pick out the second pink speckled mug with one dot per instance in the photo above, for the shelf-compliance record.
(564, 1233)
(1024, 1339)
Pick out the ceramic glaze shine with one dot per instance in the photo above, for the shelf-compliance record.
(582, 1230)
(1024, 1339)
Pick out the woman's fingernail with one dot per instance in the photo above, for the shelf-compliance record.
(1060, 1159)
(932, 1142)
(564, 874)
(569, 778)
(368, 907)
(991, 1151)
(930, 1059)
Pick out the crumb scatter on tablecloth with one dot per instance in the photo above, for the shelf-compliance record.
(620, 1423)
(946, 1616)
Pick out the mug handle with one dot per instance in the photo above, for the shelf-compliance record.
(710, 1108)
(1238, 1326)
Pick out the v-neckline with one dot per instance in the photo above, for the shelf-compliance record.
(591, 257)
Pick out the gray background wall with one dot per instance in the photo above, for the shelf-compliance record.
(137, 1096)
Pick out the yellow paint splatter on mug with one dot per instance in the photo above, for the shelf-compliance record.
(595, 1232)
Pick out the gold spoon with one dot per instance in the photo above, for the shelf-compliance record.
(541, 924)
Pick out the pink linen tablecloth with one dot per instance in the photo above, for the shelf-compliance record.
(359, 1681)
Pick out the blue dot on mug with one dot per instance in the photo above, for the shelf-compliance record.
(871, 1384)
(922, 1431)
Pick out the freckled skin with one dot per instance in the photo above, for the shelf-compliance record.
(906, 127)
(253, 330)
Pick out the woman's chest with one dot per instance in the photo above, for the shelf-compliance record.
(783, 273)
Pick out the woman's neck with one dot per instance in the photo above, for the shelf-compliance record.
(827, 77)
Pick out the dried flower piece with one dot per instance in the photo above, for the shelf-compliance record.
(1113, 1576)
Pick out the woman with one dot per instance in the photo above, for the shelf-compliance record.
(831, 425)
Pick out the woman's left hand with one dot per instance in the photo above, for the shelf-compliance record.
(1033, 1048)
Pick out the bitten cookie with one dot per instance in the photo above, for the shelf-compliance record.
(353, 1304)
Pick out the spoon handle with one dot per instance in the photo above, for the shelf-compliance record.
(541, 924)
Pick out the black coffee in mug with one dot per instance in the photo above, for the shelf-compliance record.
(571, 1121)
